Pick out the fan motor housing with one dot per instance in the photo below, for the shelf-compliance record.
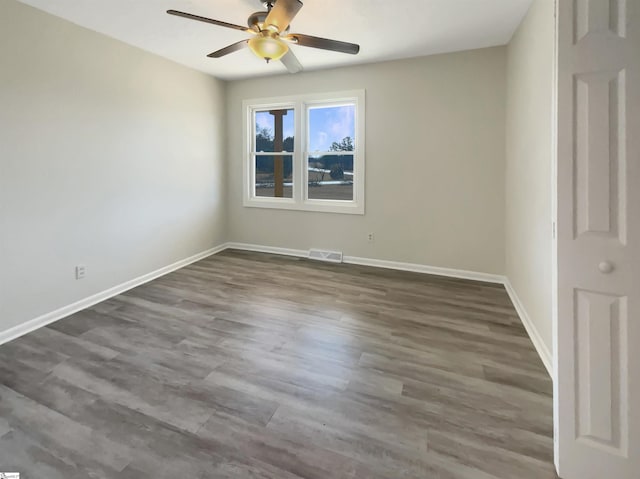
(257, 19)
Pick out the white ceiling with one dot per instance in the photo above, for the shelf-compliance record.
(385, 30)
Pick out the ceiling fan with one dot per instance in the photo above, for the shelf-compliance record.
(270, 30)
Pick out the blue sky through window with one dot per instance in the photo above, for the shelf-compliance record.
(265, 120)
(329, 124)
(326, 125)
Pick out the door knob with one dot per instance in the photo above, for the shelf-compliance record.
(606, 267)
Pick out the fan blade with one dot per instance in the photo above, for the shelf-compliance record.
(291, 62)
(282, 14)
(209, 20)
(323, 43)
(230, 49)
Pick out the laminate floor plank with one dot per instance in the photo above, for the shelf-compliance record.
(251, 365)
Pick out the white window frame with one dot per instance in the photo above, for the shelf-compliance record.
(301, 104)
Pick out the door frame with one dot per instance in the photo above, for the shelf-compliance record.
(554, 236)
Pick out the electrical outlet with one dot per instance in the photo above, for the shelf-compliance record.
(370, 237)
(81, 271)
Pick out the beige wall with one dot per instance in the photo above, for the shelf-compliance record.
(434, 163)
(529, 160)
(109, 156)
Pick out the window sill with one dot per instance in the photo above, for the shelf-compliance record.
(319, 206)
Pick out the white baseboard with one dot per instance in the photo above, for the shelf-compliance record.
(532, 331)
(422, 268)
(48, 318)
(266, 249)
(378, 263)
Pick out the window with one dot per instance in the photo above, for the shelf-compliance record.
(305, 153)
(273, 167)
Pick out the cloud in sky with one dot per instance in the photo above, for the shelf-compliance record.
(329, 124)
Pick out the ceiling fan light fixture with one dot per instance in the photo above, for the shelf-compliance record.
(268, 46)
(270, 34)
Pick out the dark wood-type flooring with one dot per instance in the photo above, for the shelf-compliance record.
(247, 365)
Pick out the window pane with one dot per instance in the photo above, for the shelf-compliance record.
(332, 128)
(274, 176)
(274, 130)
(331, 177)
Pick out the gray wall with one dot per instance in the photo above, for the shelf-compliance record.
(529, 162)
(110, 157)
(434, 163)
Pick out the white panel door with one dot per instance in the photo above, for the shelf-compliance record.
(597, 341)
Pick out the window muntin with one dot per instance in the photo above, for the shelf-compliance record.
(319, 164)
